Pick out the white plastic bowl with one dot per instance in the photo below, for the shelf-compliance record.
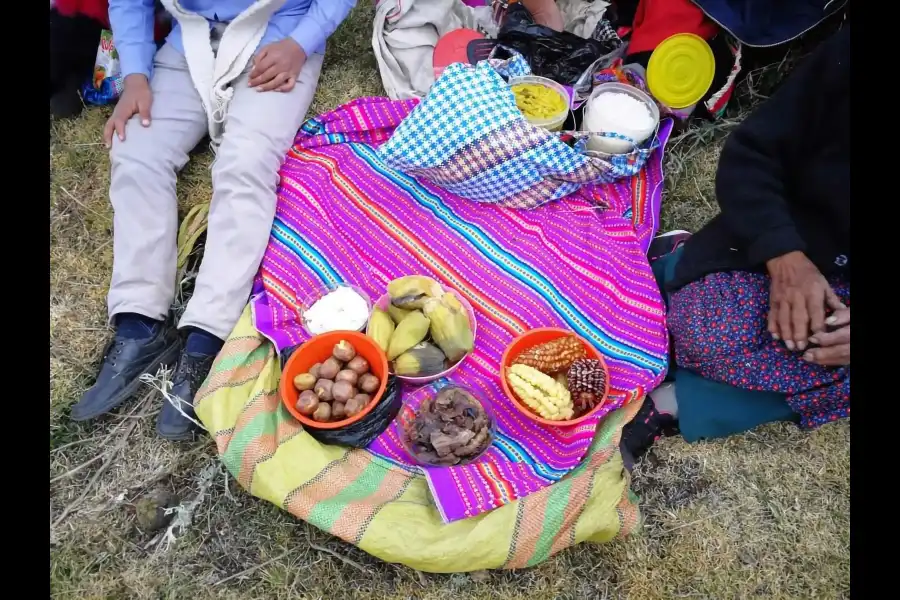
(312, 296)
(597, 123)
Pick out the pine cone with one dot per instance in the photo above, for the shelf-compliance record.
(554, 356)
(587, 383)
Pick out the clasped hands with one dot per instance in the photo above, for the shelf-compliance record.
(799, 300)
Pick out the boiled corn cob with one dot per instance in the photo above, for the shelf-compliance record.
(541, 393)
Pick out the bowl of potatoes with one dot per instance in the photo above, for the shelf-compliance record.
(334, 379)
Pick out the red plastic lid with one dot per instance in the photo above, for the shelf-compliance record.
(452, 48)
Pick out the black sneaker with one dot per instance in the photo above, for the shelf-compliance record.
(178, 424)
(647, 426)
(124, 361)
(666, 243)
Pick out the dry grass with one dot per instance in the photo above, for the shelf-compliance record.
(760, 515)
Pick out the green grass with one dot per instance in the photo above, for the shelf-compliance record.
(762, 515)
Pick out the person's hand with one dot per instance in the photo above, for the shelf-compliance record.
(135, 100)
(834, 346)
(798, 299)
(277, 66)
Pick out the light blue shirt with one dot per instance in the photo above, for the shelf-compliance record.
(309, 22)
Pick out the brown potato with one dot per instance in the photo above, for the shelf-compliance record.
(347, 375)
(323, 413)
(358, 365)
(342, 391)
(304, 381)
(344, 351)
(354, 406)
(329, 368)
(337, 411)
(314, 370)
(323, 389)
(369, 383)
(307, 403)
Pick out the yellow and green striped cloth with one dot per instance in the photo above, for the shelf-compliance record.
(383, 509)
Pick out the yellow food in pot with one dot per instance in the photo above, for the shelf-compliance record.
(537, 101)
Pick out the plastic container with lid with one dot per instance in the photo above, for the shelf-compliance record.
(552, 123)
(597, 123)
(680, 72)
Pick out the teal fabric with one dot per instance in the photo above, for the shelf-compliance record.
(709, 409)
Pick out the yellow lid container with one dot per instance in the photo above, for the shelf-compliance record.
(680, 70)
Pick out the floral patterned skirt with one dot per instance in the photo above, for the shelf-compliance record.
(719, 330)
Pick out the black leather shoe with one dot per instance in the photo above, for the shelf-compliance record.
(189, 376)
(124, 361)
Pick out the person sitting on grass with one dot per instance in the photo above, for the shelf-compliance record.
(759, 299)
(243, 72)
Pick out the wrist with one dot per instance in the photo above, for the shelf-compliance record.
(779, 262)
(136, 79)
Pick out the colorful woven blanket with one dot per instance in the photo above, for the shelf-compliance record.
(388, 511)
(578, 263)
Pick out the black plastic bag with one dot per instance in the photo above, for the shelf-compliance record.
(558, 55)
(362, 433)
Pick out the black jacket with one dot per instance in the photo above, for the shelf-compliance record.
(783, 181)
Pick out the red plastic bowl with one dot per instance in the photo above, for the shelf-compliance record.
(531, 339)
(318, 349)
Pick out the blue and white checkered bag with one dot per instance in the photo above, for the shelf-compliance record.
(467, 136)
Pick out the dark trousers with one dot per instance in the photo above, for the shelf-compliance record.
(73, 51)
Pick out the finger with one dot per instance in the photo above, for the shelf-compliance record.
(144, 112)
(288, 85)
(784, 324)
(259, 57)
(773, 320)
(833, 338)
(832, 299)
(833, 356)
(108, 132)
(265, 77)
(261, 67)
(120, 128)
(276, 82)
(816, 312)
(840, 318)
(799, 323)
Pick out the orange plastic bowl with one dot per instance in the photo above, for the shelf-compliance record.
(529, 340)
(318, 349)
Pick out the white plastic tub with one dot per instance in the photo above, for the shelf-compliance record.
(555, 122)
(599, 123)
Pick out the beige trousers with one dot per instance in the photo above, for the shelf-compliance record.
(259, 129)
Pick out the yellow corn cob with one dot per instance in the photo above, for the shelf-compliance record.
(541, 393)
(381, 328)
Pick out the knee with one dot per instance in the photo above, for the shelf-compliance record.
(138, 152)
(251, 162)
